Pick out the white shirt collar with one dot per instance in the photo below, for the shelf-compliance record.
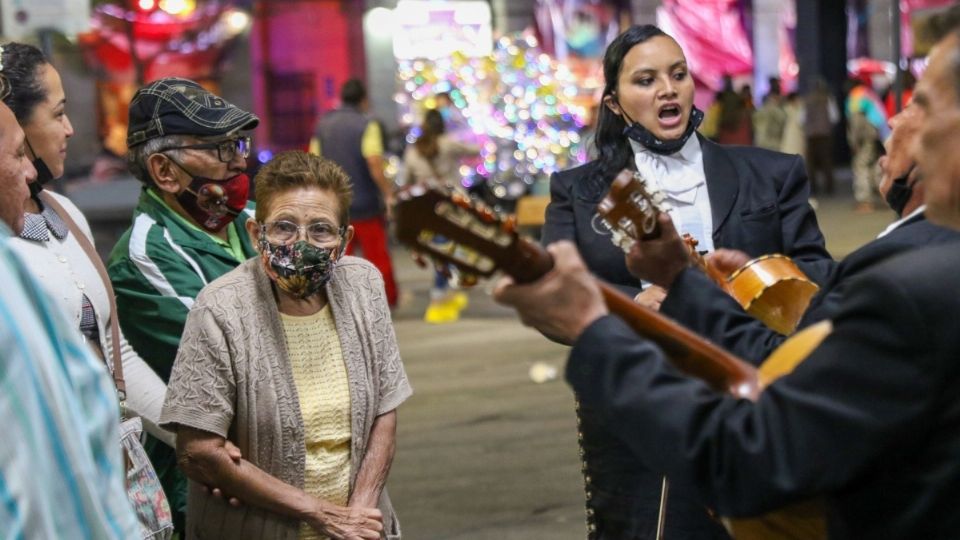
(890, 228)
(677, 174)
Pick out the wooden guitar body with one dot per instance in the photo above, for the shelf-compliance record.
(771, 288)
(479, 244)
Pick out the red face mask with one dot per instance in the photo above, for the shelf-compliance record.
(214, 204)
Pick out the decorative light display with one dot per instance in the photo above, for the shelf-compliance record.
(524, 108)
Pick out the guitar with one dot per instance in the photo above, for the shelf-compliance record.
(771, 288)
(478, 242)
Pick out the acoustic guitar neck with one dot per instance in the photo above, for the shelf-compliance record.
(477, 242)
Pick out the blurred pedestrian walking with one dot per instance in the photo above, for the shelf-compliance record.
(866, 129)
(349, 137)
(820, 115)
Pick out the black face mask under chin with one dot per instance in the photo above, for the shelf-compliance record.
(645, 137)
(43, 173)
(900, 192)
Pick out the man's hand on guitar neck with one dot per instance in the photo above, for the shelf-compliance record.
(659, 260)
(561, 304)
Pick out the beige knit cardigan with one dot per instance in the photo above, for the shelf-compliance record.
(232, 377)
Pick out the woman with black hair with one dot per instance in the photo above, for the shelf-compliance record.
(39, 103)
(742, 198)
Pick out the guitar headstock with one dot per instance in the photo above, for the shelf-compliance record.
(452, 229)
(630, 209)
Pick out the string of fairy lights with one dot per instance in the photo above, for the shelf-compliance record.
(524, 108)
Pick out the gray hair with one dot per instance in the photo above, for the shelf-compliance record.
(138, 155)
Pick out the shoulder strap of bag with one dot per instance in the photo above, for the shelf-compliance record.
(91, 252)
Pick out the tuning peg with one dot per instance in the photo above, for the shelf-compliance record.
(461, 200)
(509, 224)
(486, 213)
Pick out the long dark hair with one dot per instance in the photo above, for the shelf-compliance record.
(432, 128)
(21, 68)
(613, 149)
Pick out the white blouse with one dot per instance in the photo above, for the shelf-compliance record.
(65, 271)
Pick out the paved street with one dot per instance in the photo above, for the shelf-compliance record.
(484, 453)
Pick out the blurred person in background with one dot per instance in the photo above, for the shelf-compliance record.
(793, 139)
(434, 159)
(710, 127)
(456, 123)
(292, 356)
(820, 115)
(769, 122)
(735, 125)
(906, 94)
(352, 139)
(866, 129)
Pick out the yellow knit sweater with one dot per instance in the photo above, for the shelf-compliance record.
(320, 375)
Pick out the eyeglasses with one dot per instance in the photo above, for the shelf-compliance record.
(286, 232)
(226, 150)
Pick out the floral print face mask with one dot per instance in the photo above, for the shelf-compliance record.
(300, 269)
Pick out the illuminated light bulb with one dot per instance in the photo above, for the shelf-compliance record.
(178, 7)
(147, 5)
(238, 21)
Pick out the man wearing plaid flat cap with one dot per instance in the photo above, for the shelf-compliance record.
(189, 149)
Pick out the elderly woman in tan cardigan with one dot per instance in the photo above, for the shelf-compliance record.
(292, 356)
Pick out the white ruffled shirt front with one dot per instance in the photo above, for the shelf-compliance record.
(681, 179)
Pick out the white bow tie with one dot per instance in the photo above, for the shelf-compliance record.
(676, 178)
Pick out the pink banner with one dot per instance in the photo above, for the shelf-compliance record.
(712, 35)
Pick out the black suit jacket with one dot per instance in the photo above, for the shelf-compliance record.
(758, 200)
(701, 306)
(870, 420)
(759, 205)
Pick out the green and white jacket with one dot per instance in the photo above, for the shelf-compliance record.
(157, 269)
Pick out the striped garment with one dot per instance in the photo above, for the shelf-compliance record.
(864, 100)
(157, 269)
(61, 471)
(159, 266)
